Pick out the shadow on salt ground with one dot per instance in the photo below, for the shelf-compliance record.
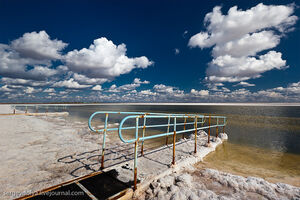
(89, 161)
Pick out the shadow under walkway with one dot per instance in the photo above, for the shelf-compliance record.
(100, 185)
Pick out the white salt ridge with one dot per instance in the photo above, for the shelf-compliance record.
(213, 184)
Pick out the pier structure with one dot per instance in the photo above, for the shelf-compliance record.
(113, 181)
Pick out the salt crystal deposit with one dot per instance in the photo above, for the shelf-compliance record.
(213, 184)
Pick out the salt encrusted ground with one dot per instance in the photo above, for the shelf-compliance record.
(38, 152)
(195, 184)
(30, 149)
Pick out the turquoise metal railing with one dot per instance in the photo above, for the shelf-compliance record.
(106, 129)
(197, 119)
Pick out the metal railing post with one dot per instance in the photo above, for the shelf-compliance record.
(208, 130)
(195, 151)
(138, 115)
(135, 152)
(144, 129)
(103, 143)
(217, 128)
(184, 127)
(168, 129)
(224, 125)
(174, 141)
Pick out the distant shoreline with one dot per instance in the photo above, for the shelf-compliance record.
(187, 104)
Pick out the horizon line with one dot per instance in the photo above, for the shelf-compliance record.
(164, 103)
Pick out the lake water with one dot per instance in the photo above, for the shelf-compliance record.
(263, 140)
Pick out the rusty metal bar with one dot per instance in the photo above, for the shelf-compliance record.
(224, 122)
(103, 143)
(58, 186)
(135, 167)
(195, 150)
(135, 153)
(217, 128)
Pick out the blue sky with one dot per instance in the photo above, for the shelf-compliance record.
(149, 51)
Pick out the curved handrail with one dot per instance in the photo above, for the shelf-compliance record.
(125, 113)
(167, 133)
(145, 115)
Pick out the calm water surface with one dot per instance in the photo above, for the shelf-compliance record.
(263, 140)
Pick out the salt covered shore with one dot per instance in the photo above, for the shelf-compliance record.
(31, 148)
(193, 183)
(39, 152)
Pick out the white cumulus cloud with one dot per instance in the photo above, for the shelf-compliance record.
(97, 88)
(168, 90)
(30, 90)
(14, 66)
(232, 69)
(239, 36)
(5, 88)
(71, 84)
(200, 92)
(49, 90)
(104, 59)
(148, 92)
(82, 79)
(128, 87)
(245, 84)
(13, 82)
(38, 45)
